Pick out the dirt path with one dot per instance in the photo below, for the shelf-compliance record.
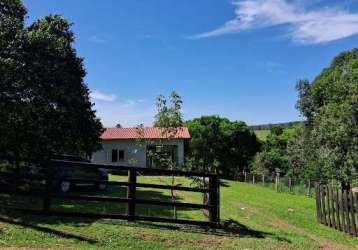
(324, 243)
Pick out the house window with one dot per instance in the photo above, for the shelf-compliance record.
(120, 155)
(117, 155)
(114, 155)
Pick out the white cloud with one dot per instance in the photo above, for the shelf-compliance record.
(97, 95)
(127, 112)
(304, 26)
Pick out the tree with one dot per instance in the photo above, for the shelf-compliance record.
(330, 104)
(118, 125)
(169, 116)
(269, 162)
(44, 104)
(274, 154)
(12, 15)
(220, 145)
(276, 130)
(169, 120)
(300, 155)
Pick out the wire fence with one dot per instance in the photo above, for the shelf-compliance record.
(278, 183)
(287, 184)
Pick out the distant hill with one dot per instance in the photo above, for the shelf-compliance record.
(271, 125)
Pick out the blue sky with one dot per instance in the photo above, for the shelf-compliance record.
(239, 60)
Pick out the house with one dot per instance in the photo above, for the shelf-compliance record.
(133, 146)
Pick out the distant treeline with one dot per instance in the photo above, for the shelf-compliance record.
(272, 125)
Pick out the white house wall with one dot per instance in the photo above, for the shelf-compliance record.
(134, 153)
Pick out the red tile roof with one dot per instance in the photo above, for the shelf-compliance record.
(145, 133)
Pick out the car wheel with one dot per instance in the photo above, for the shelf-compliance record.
(65, 186)
(102, 186)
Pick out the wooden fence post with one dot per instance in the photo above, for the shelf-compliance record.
(48, 187)
(263, 180)
(355, 197)
(245, 176)
(214, 216)
(351, 209)
(131, 193)
(331, 205)
(346, 211)
(334, 208)
(318, 203)
(289, 184)
(309, 188)
(341, 208)
(323, 202)
(253, 179)
(329, 221)
(339, 225)
(277, 181)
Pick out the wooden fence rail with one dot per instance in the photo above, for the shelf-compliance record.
(337, 209)
(212, 205)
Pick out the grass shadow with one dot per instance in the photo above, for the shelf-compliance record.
(235, 228)
(228, 228)
(20, 221)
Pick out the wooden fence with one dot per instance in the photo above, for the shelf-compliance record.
(212, 191)
(337, 209)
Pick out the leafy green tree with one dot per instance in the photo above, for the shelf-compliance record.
(301, 157)
(330, 104)
(274, 156)
(269, 162)
(44, 103)
(169, 121)
(220, 145)
(278, 139)
(277, 130)
(12, 14)
(169, 116)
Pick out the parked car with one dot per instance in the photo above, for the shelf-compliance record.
(65, 173)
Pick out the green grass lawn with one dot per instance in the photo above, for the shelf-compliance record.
(256, 218)
(262, 134)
